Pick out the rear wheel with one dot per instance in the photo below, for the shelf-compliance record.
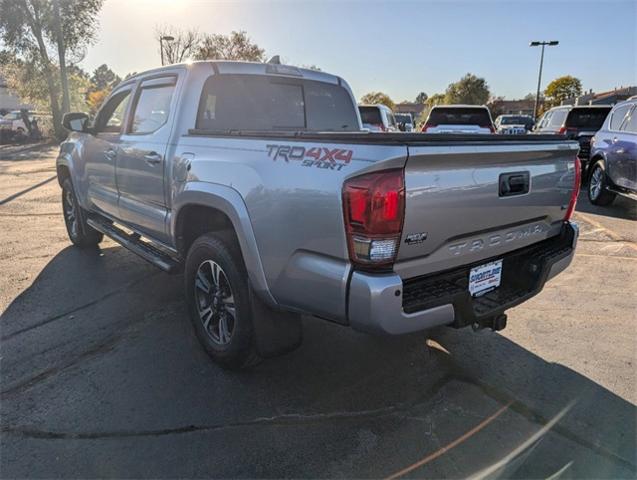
(219, 302)
(597, 186)
(80, 233)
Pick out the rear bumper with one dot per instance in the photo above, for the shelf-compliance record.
(387, 304)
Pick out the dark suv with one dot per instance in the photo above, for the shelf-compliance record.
(613, 165)
(577, 123)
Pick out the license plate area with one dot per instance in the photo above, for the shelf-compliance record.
(485, 278)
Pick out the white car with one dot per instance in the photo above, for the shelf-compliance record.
(459, 119)
(405, 122)
(513, 124)
(13, 121)
(378, 118)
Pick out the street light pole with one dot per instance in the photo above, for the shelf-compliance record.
(551, 43)
(168, 38)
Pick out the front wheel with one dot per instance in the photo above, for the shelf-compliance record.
(80, 233)
(597, 186)
(219, 302)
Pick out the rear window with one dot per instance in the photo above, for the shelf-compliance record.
(262, 102)
(592, 118)
(459, 116)
(370, 115)
(515, 120)
(401, 117)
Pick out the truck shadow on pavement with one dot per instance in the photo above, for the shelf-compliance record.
(102, 376)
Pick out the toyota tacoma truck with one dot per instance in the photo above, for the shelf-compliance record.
(258, 184)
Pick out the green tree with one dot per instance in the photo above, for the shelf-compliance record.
(436, 99)
(236, 46)
(103, 77)
(374, 98)
(31, 29)
(562, 88)
(469, 89)
(421, 97)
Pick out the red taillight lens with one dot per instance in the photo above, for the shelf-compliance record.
(566, 130)
(575, 193)
(428, 125)
(374, 206)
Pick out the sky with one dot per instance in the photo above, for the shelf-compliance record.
(398, 47)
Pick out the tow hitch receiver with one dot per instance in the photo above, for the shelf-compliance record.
(496, 323)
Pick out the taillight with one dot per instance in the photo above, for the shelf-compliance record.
(575, 192)
(374, 207)
(492, 128)
(428, 125)
(566, 130)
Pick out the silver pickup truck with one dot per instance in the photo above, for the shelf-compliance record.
(256, 182)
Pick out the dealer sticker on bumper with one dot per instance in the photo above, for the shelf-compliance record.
(485, 278)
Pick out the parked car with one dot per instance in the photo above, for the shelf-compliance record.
(14, 122)
(405, 122)
(378, 118)
(513, 124)
(613, 164)
(256, 181)
(577, 122)
(459, 119)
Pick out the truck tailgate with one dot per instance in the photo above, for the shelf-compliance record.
(465, 203)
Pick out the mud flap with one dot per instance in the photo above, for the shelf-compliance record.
(275, 332)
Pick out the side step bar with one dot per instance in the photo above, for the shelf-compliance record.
(632, 196)
(132, 242)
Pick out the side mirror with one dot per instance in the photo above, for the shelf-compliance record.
(75, 121)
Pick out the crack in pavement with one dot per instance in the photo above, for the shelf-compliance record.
(96, 350)
(299, 419)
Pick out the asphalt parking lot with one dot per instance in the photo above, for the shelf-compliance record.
(101, 375)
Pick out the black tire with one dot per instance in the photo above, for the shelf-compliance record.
(80, 233)
(598, 193)
(236, 350)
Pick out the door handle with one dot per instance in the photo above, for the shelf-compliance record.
(110, 154)
(152, 158)
(515, 183)
(620, 150)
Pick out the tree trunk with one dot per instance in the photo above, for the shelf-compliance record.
(33, 19)
(64, 80)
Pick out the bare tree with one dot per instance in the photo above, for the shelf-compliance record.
(181, 47)
(236, 46)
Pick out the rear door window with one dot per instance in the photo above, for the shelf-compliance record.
(587, 118)
(618, 116)
(262, 102)
(557, 118)
(459, 116)
(631, 125)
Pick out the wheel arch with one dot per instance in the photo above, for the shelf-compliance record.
(203, 207)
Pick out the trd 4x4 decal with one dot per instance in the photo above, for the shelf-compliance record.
(319, 157)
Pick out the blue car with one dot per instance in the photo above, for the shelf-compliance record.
(613, 165)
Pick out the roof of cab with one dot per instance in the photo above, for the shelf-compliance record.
(460, 106)
(248, 68)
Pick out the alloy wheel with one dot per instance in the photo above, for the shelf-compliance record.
(595, 186)
(215, 302)
(70, 212)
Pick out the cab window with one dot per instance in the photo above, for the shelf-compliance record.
(151, 109)
(111, 115)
